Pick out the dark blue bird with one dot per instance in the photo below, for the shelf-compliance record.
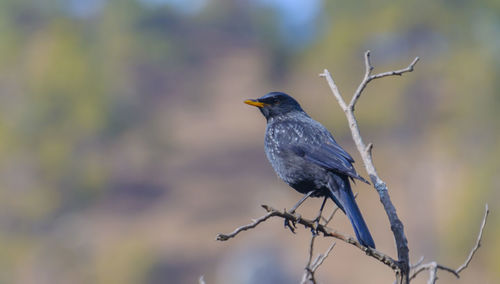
(305, 155)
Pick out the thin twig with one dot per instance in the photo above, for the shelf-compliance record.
(412, 266)
(433, 266)
(398, 72)
(478, 241)
(312, 266)
(310, 269)
(255, 223)
(308, 273)
(311, 249)
(322, 258)
(334, 89)
(306, 196)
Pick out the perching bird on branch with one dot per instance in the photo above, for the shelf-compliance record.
(305, 155)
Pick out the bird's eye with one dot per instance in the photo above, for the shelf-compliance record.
(276, 101)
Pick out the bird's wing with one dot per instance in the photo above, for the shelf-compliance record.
(315, 144)
(335, 147)
(328, 156)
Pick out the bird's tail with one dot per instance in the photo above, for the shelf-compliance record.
(344, 198)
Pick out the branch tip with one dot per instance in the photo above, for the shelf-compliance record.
(368, 64)
(478, 240)
(369, 148)
(324, 74)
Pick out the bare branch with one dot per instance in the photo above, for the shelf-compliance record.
(308, 276)
(334, 89)
(311, 224)
(442, 267)
(366, 80)
(310, 269)
(308, 273)
(433, 266)
(311, 249)
(368, 77)
(322, 258)
(327, 220)
(255, 223)
(419, 269)
(301, 201)
(417, 263)
(478, 241)
(398, 72)
(365, 152)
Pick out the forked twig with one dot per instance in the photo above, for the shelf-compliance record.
(434, 266)
(366, 154)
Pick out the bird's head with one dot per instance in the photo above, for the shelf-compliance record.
(275, 104)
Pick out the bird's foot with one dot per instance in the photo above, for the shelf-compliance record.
(314, 229)
(290, 224)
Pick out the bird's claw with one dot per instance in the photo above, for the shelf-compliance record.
(314, 229)
(290, 225)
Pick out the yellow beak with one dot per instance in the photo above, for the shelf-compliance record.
(255, 103)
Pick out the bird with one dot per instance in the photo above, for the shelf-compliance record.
(304, 154)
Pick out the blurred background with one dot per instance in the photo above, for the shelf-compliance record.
(125, 146)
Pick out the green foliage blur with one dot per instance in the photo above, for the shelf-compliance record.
(123, 139)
